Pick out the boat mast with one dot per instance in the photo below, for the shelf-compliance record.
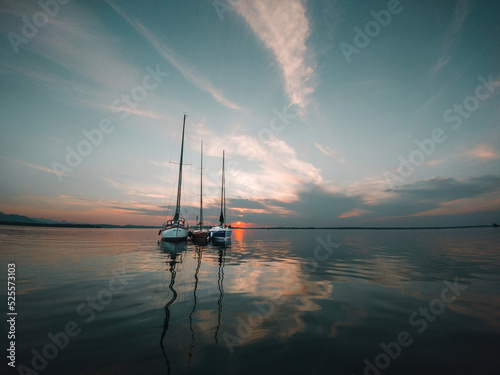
(178, 204)
(224, 186)
(201, 189)
(222, 205)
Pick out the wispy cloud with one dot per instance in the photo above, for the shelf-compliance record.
(94, 68)
(483, 152)
(452, 35)
(433, 163)
(77, 94)
(464, 206)
(324, 149)
(328, 151)
(372, 190)
(78, 40)
(357, 212)
(187, 71)
(29, 165)
(284, 28)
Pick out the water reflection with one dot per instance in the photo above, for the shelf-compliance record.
(220, 283)
(333, 314)
(199, 254)
(191, 255)
(174, 251)
(363, 293)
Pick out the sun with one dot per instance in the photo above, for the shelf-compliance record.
(238, 223)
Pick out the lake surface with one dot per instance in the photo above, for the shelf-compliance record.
(274, 302)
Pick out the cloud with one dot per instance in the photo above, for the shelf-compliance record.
(357, 212)
(77, 40)
(483, 152)
(452, 34)
(257, 169)
(284, 28)
(440, 197)
(328, 151)
(29, 165)
(94, 68)
(449, 188)
(51, 81)
(263, 174)
(372, 190)
(444, 199)
(76, 94)
(460, 207)
(187, 71)
(314, 206)
(432, 163)
(324, 149)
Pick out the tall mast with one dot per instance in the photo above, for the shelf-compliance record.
(224, 186)
(178, 204)
(222, 205)
(201, 189)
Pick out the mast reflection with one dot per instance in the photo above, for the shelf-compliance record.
(191, 346)
(174, 252)
(220, 282)
(174, 255)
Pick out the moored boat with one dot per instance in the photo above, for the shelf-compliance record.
(176, 229)
(200, 235)
(221, 232)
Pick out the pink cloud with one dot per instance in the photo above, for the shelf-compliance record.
(483, 152)
(357, 212)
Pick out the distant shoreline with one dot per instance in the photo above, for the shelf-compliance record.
(62, 225)
(20, 224)
(104, 226)
(371, 228)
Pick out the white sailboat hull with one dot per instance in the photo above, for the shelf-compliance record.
(220, 234)
(174, 234)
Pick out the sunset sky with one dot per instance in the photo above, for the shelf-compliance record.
(330, 112)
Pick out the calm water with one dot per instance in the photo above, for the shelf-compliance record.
(274, 302)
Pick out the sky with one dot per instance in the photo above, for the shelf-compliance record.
(330, 112)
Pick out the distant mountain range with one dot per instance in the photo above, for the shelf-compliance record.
(12, 219)
(21, 219)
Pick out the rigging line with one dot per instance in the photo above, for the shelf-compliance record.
(174, 148)
(187, 186)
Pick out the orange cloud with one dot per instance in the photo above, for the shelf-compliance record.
(483, 152)
(357, 212)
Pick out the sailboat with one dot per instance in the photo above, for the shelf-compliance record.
(222, 232)
(176, 229)
(199, 234)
